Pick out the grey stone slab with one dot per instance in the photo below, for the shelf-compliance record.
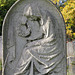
(74, 47)
(34, 39)
(1, 47)
(72, 65)
(71, 49)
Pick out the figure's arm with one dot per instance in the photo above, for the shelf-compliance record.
(50, 39)
(41, 41)
(34, 43)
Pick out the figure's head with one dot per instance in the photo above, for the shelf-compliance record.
(40, 16)
(34, 13)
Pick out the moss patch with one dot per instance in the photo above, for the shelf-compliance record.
(73, 63)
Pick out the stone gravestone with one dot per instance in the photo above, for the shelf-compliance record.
(70, 49)
(71, 57)
(0, 48)
(72, 65)
(34, 39)
(74, 47)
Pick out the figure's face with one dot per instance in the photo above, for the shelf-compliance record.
(30, 26)
(34, 23)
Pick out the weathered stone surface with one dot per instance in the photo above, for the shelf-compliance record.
(71, 49)
(34, 39)
(71, 65)
(74, 47)
(1, 47)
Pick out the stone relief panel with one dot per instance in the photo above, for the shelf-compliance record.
(35, 41)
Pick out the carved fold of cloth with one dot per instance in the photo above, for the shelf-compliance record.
(40, 59)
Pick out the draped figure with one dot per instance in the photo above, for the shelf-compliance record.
(41, 53)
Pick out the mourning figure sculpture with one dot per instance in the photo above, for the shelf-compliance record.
(42, 52)
(43, 44)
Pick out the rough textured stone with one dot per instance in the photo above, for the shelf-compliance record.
(71, 49)
(71, 57)
(71, 65)
(0, 47)
(34, 39)
(74, 47)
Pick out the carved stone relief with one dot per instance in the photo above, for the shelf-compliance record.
(35, 40)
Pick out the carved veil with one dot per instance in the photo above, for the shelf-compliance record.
(34, 39)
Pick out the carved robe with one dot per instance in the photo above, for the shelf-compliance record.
(42, 52)
(34, 39)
